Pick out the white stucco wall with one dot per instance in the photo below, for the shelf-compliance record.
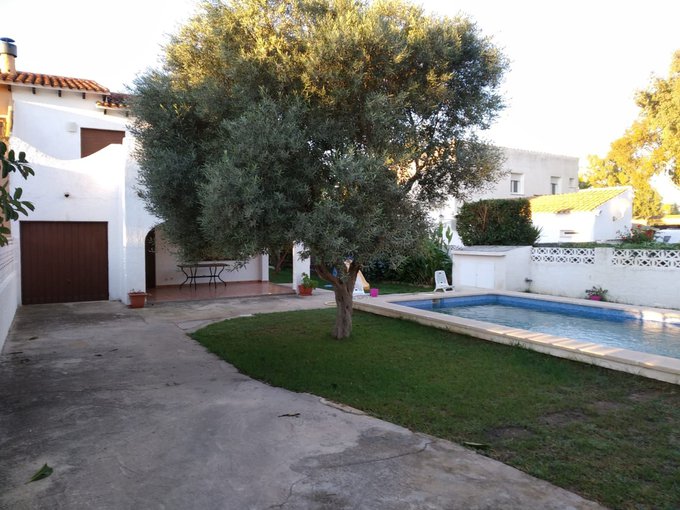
(649, 283)
(300, 265)
(615, 217)
(52, 124)
(8, 289)
(647, 286)
(167, 272)
(582, 223)
(537, 168)
(98, 189)
(486, 267)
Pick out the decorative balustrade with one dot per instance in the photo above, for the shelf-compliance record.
(646, 258)
(563, 255)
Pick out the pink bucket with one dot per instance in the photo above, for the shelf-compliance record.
(374, 292)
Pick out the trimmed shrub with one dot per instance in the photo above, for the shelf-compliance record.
(503, 222)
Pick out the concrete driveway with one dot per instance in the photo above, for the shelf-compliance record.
(133, 414)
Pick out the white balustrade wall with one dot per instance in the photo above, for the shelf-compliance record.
(637, 277)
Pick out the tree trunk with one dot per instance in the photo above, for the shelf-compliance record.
(344, 295)
(343, 315)
(280, 259)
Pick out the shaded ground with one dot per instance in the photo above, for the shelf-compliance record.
(131, 413)
(607, 435)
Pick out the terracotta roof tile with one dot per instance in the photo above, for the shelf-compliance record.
(51, 81)
(584, 200)
(115, 101)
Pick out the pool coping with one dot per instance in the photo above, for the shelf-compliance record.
(662, 368)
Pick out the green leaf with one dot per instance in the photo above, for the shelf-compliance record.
(43, 472)
(478, 446)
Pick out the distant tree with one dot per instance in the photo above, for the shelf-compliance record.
(334, 123)
(650, 146)
(11, 204)
(629, 163)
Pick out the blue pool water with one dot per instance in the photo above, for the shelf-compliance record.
(616, 328)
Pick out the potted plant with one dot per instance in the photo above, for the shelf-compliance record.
(597, 293)
(137, 298)
(307, 285)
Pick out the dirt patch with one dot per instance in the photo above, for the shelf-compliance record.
(509, 433)
(605, 406)
(645, 396)
(562, 418)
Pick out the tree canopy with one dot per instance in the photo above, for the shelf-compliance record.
(650, 146)
(334, 123)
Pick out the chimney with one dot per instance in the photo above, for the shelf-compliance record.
(8, 52)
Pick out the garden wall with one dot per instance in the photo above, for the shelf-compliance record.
(8, 290)
(632, 276)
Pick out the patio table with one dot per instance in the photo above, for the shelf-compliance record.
(190, 271)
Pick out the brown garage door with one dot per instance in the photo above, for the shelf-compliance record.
(64, 261)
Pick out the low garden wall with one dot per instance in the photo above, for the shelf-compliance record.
(648, 277)
(8, 290)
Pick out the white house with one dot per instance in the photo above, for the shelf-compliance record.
(90, 236)
(524, 174)
(594, 214)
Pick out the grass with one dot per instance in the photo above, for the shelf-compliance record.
(286, 276)
(606, 435)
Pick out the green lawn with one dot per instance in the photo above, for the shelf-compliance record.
(608, 436)
(286, 276)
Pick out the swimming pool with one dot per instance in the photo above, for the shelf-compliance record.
(658, 360)
(617, 328)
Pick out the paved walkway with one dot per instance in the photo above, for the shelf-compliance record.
(133, 414)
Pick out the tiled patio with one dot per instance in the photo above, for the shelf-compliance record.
(204, 292)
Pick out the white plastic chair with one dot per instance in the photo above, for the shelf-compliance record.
(440, 282)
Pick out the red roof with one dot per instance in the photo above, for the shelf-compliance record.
(51, 81)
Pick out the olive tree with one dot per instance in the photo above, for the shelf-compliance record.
(333, 123)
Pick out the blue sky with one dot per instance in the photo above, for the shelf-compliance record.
(575, 65)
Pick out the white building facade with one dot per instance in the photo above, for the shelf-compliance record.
(525, 174)
(88, 236)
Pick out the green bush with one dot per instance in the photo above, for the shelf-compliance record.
(419, 267)
(503, 222)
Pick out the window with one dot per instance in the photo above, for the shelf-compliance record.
(516, 181)
(555, 187)
(572, 182)
(93, 140)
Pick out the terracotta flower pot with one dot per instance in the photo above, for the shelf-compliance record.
(305, 291)
(595, 298)
(137, 299)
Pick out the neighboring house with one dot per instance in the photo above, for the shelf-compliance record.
(594, 214)
(525, 174)
(90, 237)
